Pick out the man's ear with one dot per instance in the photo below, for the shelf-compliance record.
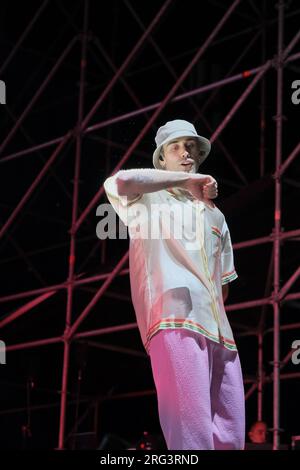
(162, 161)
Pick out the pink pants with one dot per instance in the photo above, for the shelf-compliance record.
(200, 391)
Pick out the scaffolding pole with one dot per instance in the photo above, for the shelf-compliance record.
(277, 229)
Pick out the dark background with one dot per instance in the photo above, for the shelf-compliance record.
(114, 369)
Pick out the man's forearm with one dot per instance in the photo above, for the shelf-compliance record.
(225, 292)
(148, 180)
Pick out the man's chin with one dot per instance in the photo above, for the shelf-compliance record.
(189, 169)
(192, 169)
(185, 168)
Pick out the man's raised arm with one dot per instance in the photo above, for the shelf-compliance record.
(131, 183)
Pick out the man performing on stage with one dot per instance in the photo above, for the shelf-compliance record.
(179, 276)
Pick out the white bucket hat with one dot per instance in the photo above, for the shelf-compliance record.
(175, 129)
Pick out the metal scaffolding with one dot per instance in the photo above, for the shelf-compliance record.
(177, 93)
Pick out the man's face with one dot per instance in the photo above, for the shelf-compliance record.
(181, 154)
(258, 433)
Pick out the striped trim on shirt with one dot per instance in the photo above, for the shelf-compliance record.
(228, 277)
(216, 231)
(190, 325)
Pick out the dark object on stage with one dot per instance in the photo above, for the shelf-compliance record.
(113, 442)
(83, 440)
(150, 442)
(295, 444)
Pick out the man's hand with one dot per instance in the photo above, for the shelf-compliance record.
(202, 187)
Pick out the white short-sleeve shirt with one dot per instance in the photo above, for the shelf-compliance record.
(180, 256)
